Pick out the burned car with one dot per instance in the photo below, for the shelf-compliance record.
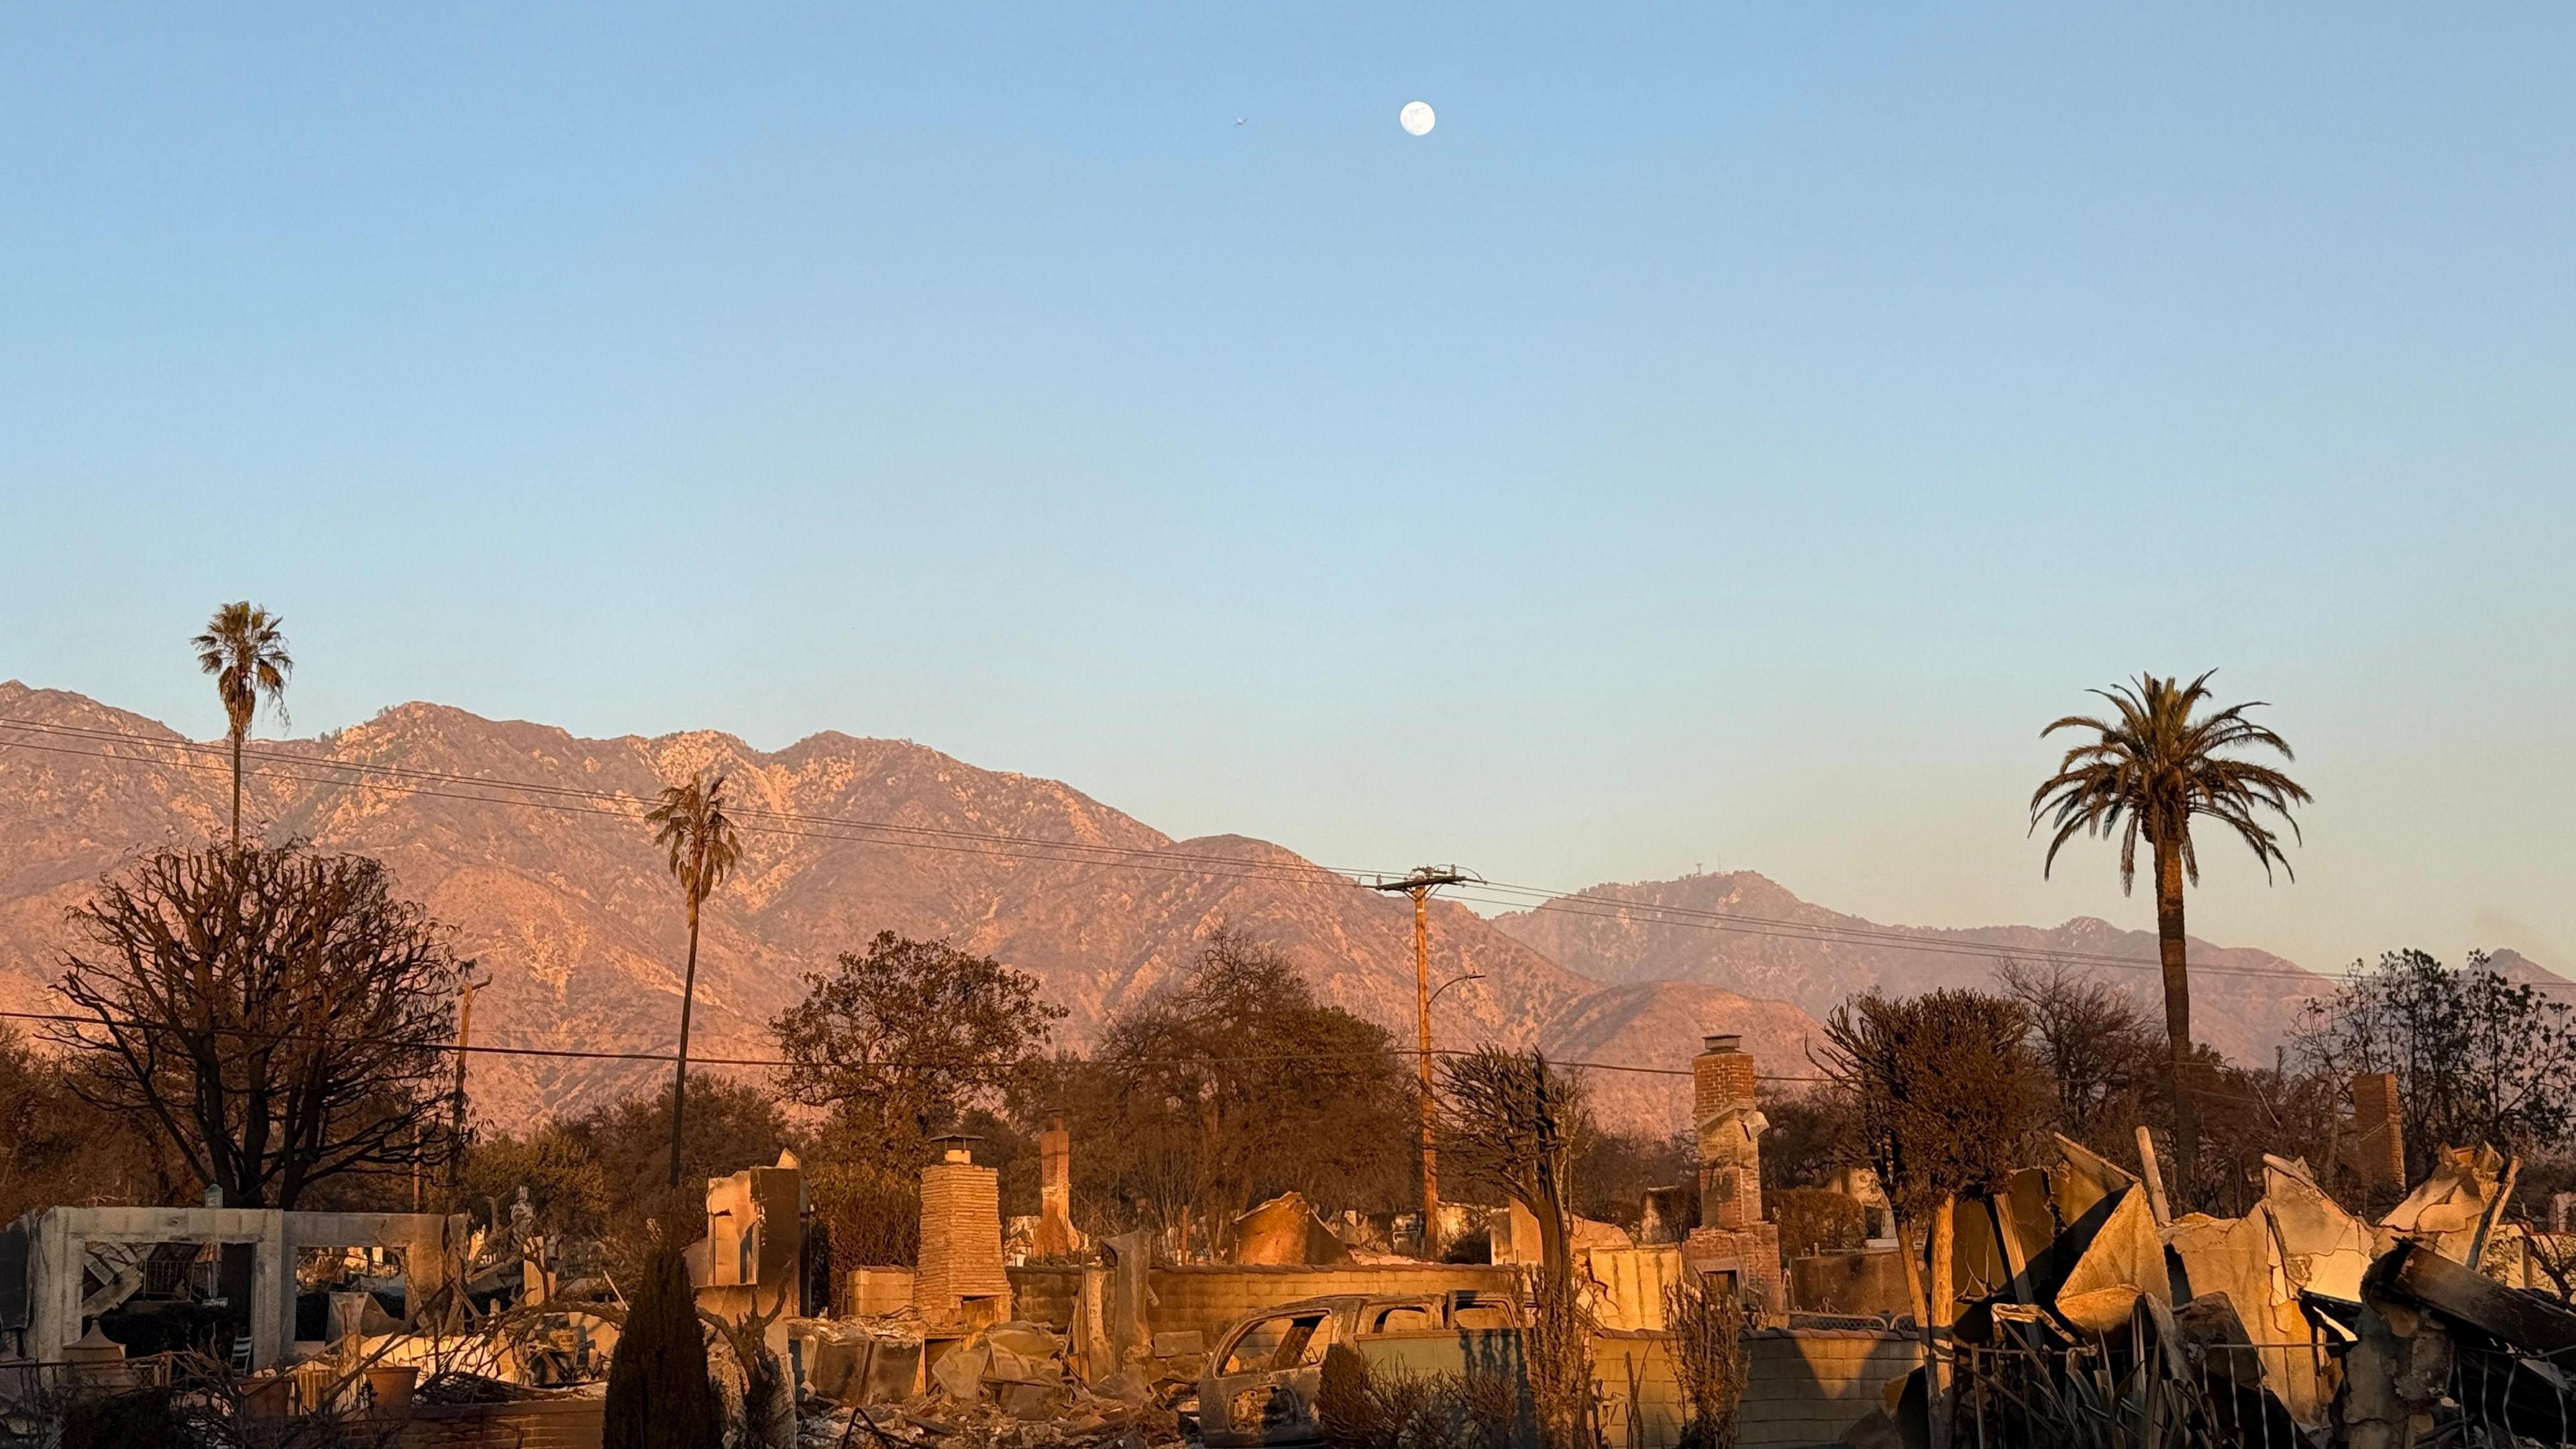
(1259, 1388)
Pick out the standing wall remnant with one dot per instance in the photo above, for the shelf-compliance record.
(2379, 1139)
(1055, 1237)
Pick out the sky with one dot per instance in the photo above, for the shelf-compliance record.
(1721, 443)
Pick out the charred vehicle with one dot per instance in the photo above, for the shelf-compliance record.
(1259, 1388)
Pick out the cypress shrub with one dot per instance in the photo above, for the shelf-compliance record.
(659, 1396)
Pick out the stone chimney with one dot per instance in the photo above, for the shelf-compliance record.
(1730, 1153)
(960, 1282)
(1055, 1191)
(2379, 1140)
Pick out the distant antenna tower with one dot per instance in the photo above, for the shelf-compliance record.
(1419, 885)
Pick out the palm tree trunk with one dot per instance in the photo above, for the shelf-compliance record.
(680, 1080)
(2169, 948)
(237, 763)
(1943, 1249)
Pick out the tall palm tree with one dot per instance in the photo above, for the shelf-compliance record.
(691, 824)
(2147, 771)
(244, 648)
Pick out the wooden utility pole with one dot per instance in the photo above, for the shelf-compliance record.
(456, 1126)
(1420, 885)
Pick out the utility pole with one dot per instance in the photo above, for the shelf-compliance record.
(1419, 885)
(456, 1125)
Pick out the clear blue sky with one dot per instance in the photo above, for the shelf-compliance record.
(1724, 440)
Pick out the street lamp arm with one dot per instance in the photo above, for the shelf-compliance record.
(1454, 980)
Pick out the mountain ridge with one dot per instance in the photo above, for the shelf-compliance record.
(1742, 931)
(566, 903)
(567, 906)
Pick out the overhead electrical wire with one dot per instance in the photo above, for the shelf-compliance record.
(781, 1063)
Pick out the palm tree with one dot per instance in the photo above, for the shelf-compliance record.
(244, 648)
(2148, 772)
(691, 824)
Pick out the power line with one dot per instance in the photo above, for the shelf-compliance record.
(781, 1063)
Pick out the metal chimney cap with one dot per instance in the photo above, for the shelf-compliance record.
(1721, 1044)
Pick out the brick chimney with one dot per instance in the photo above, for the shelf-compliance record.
(1732, 1244)
(1730, 1155)
(960, 1282)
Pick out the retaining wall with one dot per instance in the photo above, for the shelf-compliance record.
(1206, 1297)
(1803, 1386)
(529, 1424)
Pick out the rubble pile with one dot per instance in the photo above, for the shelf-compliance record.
(1005, 1386)
(2296, 1324)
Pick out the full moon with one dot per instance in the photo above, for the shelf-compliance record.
(1415, 118)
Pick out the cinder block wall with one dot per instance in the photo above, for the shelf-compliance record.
(1804, 1386)
(532, 1424)
(1809, 1386)
(875, 1292)
(1208, 1297)
(1046, 1295)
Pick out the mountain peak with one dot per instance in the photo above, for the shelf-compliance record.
(1745, 933)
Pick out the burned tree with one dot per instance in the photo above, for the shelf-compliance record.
(896, 1043)
(1230, 1087)
(279, 1016)
(1949, 1099)
(1948, 1093)
(1509, 1122)
(2477, 1057)
(901, 1040)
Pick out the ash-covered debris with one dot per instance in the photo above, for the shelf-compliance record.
(1008, 1384)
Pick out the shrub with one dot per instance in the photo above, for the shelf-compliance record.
(1816, 1219)
(1708, 1359)
(659, 1396)
(1357, 1409)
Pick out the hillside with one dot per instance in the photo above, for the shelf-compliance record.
(570, 913)
(2244, 1001)
(566, 905)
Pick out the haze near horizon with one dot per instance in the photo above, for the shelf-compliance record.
(1724, 440)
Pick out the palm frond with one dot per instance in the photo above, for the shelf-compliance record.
(244, 647)
(2155, 761)
(699, 838)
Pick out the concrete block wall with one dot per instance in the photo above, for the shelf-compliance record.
(1809, 1386)
(1206, 1298)
(875, 1292)
(1641, 1400)
(572, 1423)
(1046, 1295)
(1803, 1386)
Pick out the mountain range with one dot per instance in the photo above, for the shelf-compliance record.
(525, 840)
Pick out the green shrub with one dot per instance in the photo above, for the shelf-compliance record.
(659, 1396)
